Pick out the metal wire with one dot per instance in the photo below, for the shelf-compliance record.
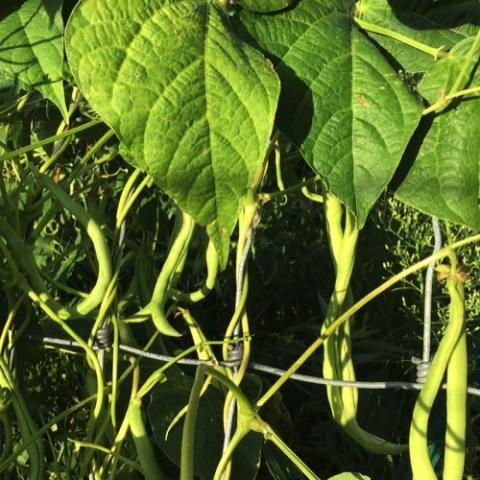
(259, 367)
(423, 364)
(427, 305)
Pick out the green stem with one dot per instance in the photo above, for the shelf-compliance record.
(101, 448)
(46, 141)
(291, 455)
(96, 147)
(265, 197)
(227, 455)
(467, 65)
(371, 27)
(26, 424)
(90, 354)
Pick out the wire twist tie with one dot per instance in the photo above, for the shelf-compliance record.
(104, 336)
(235, 354)
(422, 369)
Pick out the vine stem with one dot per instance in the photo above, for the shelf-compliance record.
(444, 252)
(247, 225)
(371, 27)
(291, 455)
(47, 141)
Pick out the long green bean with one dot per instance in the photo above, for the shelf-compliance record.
(156, 306)
(419, 456)
(454, 459)
(100, 246)
(337, 359)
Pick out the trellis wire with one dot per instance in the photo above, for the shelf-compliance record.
(427, 308)
(260, 367)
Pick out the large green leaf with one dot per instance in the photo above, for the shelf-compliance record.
(444, 180)
(342, 102)
(31, 46)
(169, 397)
(436, 24)
(193, 104)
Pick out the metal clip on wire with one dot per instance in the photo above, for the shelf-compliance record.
(422, 369)
(104, 337)
(235, 355)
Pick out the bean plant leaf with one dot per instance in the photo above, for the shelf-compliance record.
(342, 102)
(435, 24)
(167, 400)
(451, 72)
(265, 5)
(444, 180)
(193, 104)
(31, 47)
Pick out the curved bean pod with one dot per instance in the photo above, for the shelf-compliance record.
(211, 258)
(419, 457)
(178, 249)
(337, 360)
(100, 246)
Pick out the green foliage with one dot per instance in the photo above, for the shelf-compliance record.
(454, 195)
(31, 50)
(345, 107)
(184, 120)
(420, 22)
(193, 104)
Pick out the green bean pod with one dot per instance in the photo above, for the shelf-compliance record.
(337, 360)
(100, 246)
(211, 260)
(419, 456)
(454, 459)
(176, 253)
